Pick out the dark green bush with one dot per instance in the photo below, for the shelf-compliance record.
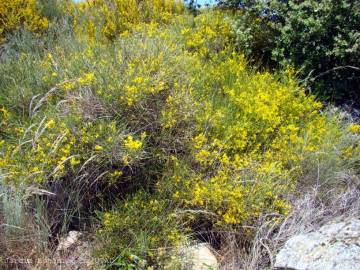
(254, 36)
(320, 38)
(323, 39)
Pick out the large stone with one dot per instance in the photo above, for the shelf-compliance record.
(200, 257)
(334, 246)
(73, 253)
(70, 240)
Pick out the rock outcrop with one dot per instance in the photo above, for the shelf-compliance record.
(335, 246)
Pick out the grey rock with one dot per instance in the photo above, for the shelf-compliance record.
(70, 240)
(199, 257)
(74, 252)
(334, 246)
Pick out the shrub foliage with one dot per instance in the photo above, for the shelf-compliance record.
(320, 38)
(21, 13)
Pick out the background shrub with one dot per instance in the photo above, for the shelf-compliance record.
(320, 38)
(21, 13)
(254, 36)
(111, 18)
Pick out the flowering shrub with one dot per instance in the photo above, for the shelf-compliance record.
(167, 119)
(250, 142)
(20, 13)
(134, 230)
(211, 32)
(57, 149)
(118, 16)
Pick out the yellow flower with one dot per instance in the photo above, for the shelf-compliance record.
(67, 86)
(4, 112)
(132, 144)
(88, 78)
(143, 135)
(36, 169)
(126, 160)
(199, 141)
(98, 147)
(50, 123)
(202, 156)
(74, 161)
(354, 128)
(116, 173)
(107, 219)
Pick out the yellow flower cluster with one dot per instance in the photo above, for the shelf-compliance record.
(121, 16)
(4, 116)
(212, 33)
(251, 139)
(55, 150)
(131, 144)
(145, 224)
(20, 13)
(87, 79)
(354, 128)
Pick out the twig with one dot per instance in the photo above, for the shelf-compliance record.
(333, 69)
